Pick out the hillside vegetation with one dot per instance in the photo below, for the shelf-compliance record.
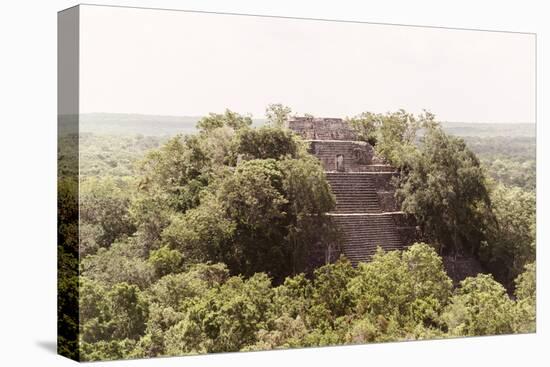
(199, 243)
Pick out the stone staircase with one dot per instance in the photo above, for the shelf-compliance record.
(355, 192)
(363, 223)
(366, 211)
(363, 233)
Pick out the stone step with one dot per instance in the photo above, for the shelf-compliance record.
(364, 211)
(362, 234)
(354, 193)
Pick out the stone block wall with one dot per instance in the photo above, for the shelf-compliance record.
(311, 128)
(356, 155)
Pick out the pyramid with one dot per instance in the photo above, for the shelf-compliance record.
(366, 213)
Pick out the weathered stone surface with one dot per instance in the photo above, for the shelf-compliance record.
(311, 128)
(366, 212)
(363, 233)
(355, 154)
(387, 201)
(355, 192)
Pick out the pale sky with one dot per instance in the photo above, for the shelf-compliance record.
(181, 63)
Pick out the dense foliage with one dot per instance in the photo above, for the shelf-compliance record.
(463, 206)
(445, 190)
(204, 243)
(202, 308)
(510, 160)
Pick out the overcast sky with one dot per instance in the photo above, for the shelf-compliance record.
(182, 63)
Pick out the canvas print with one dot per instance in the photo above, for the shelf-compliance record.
(231, 183)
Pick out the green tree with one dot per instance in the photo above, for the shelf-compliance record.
(110, 313)
(294, 296)
(228, 118)
(107, 350)
(309, 231)
(68, 293)
(67, 263)
(277, 114)
(330, 288)
(369, 329)
(173, 290)
(526, 300)
(179, 170)
(446, 192)
(267, 215)
(269, 142)
(165, 261)
(129, 310)
(226, 319)
(480, 306)
(202, 233)
(253, 198)
(68, 215)
(150, 211)
(104, 212)
(526, 283)
(365, 125)
(394, 134)
(510, 243)
(169, 299)
(122, 262)
(287, 332)
(408, 286)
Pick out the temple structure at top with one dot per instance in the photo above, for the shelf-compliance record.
(366, 212)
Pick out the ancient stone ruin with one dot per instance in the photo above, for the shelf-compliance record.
(366, 212)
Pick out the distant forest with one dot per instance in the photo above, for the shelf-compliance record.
(111, 144)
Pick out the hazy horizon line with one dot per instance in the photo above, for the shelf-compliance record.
(264, 118)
